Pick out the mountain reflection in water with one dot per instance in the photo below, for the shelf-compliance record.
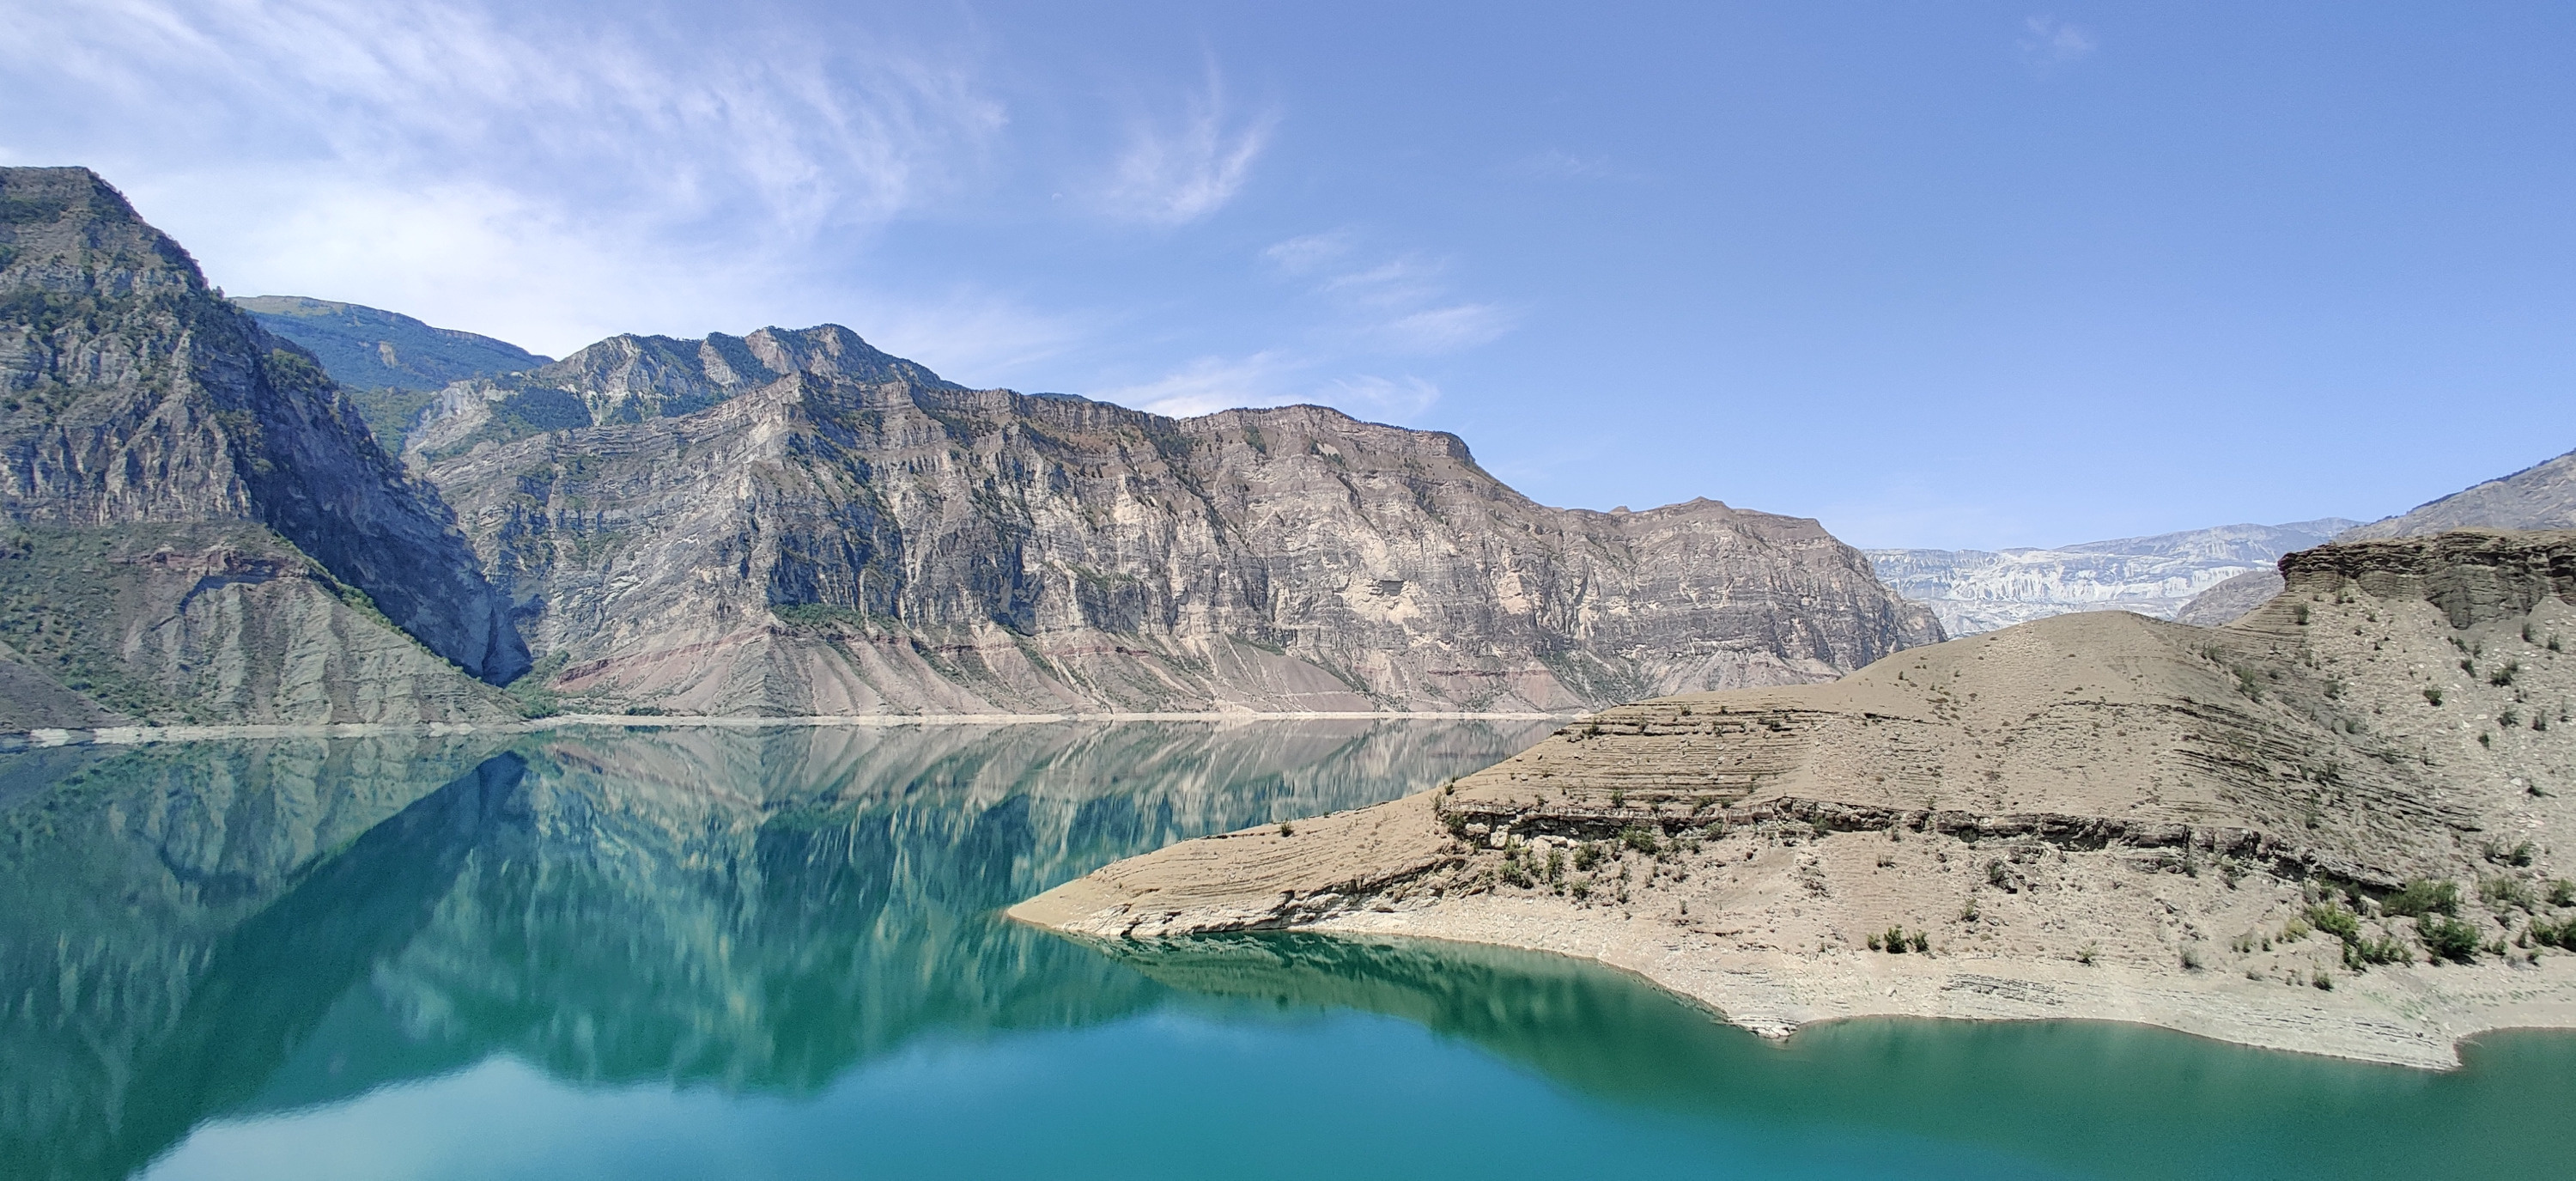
(778, 952)
(223, 929)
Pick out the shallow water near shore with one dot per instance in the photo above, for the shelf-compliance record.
(778, 953)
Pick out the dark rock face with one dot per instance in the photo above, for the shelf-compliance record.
(2473, 576)
(840, 531)
(132, 395)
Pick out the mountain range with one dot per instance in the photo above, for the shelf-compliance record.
(204, 527)
(1981, 590)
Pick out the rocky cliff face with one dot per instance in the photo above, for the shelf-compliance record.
(1979, 590)
(794, 522)
(197, 511)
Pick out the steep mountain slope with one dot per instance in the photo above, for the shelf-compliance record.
(2090, 815)
(1979, 590)
(198, 526)
(823, 528)
(389, 363)
(2542, 496)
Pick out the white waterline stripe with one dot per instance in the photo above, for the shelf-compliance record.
(142, 735)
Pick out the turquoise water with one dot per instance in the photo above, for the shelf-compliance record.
(776, 954)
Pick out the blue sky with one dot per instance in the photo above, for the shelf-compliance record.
(1939, 274)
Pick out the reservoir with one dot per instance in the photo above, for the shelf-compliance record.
(778, 952)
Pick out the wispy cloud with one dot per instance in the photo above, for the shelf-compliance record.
(1311, 253)
(1563, 165)
(1275, 378)
(1392, 399)
(1448, 329)
(1210, 384)
(2050, 43)
(451, 157)
(1401, 304)
(1172, 174)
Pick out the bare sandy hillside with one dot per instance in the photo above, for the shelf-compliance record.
(2340, 824)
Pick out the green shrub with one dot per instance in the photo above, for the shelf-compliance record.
(2562, 892)
(1556, 865)
(2422, 897)
(2449, 938)
(1587, 855)
(2433, 694)
(1640, 838)
(2503, 892)
(2335, 921)
(2548, 934)
(2386, 949)
(1894, 940)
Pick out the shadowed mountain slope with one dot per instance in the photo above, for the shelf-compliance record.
(199, 526)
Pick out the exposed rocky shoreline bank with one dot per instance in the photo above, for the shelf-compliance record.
(2340, 825)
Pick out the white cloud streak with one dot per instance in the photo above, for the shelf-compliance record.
(1275, 378)
(2048, 42)
(1400, 304)
(1172, 175)
(547, 179)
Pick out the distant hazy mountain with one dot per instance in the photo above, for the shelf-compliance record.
(1981, 590)
(389, 362)
(2542, 496)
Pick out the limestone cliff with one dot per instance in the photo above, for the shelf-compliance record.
(201, 529)
(797, 523)
(2270, 832)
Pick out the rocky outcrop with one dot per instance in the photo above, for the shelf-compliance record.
(1977, 590)
(135, 402)
(797, 523)
(2125, 817)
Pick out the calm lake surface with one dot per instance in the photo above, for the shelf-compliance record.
(777, 953)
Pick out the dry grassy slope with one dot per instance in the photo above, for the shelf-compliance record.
(2089, 815)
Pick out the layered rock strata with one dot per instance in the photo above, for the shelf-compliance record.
(2094, 815)
(796, 523)
(201, 528)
